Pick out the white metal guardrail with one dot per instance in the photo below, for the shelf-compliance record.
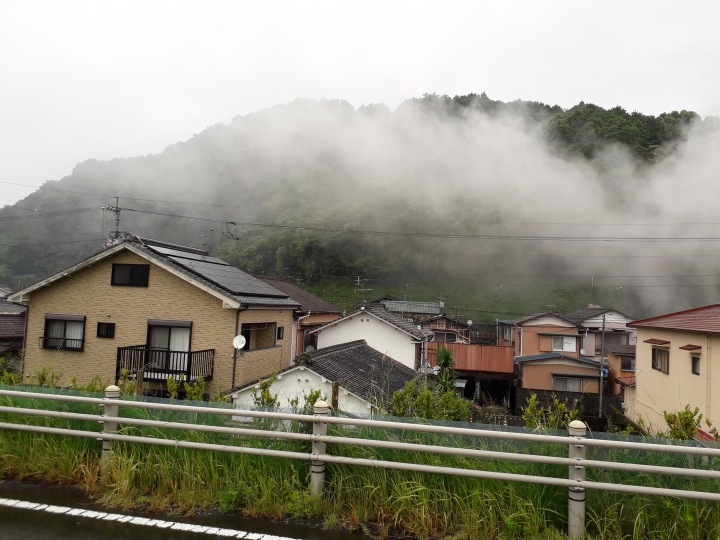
(576, 443)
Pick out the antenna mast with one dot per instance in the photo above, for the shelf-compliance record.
(114, 237)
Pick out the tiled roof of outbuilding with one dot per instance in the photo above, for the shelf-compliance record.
(12, 325)
(358, 368)
(362, 370)
(704, 320)
(308, 301)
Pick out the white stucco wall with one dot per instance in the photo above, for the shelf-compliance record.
(379, 335)
(299, 382)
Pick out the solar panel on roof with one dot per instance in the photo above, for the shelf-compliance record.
(230, 278)
(187, 255)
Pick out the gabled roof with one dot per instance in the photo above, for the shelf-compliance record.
(308, 301)
(528, 318)
(580, 315)
(358, 368)
(443, 316)
(620, 350)
(12, 325)
(214, 276)
(550, 356)
(380, 313)
(704, 320)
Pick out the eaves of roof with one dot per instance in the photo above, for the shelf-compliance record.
(232, 300)
(385, 316)
(550, 356)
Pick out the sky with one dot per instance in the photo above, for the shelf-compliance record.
(82, 80)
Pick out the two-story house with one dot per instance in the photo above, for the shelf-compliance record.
(676, 361)
(168, 310)
(608, 326)
(549, 355)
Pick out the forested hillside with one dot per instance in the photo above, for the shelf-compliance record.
(442, 198)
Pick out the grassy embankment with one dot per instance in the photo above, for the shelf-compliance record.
(178, 480)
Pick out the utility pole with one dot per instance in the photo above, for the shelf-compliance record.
(602, 367)
(407, 288)
(360, 286)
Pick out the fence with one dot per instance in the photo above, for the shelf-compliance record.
(577, 443)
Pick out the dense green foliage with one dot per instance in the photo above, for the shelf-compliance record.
(166, 479)
(295, 178)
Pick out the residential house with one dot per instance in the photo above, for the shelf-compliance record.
(353, 377)
(485, 369)
(621, 367)
(676, 364)
(547, 332)
(12, 335)
(394, 336)
(168, 310)
(313, 312)
(592, 319)
(558, 372)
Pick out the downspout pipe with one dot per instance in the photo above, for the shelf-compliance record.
(297, 322)
(237, 323)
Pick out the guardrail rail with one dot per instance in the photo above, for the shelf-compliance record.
(576, 441)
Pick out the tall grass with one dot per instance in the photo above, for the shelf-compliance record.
(181, 480)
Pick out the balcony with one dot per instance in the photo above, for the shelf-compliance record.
(483, 358)
(160, 364)
(62, 344)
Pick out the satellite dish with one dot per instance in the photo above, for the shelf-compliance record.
(239, 342)
(469, 322)
(309, 348)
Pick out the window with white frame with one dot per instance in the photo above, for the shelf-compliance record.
(627, 363)
(567, 384)
(564, 343)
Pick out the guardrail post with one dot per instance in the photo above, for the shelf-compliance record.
(112, 393)
(576, 495)
(317, 475)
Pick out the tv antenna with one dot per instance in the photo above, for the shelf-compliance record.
(360, 286)
(209, 233)
(115, 236)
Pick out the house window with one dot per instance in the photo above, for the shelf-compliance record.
(661, 360)
(611, 338)
(563, 343)
(696, 365)
(280, 333)
(64, 332)
(627, 363)
(130, 275)
(169, 335)
(106, 330)
(445, 337)
(567, 384)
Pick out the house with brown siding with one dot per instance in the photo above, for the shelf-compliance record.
(545, 333)
(168, 310)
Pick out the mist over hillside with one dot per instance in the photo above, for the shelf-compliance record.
(498, 208)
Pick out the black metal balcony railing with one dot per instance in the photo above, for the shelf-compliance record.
(62, 343)
(161, 364)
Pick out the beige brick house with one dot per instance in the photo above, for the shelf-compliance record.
(169, 310)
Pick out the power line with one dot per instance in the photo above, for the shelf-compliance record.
(444, 236)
